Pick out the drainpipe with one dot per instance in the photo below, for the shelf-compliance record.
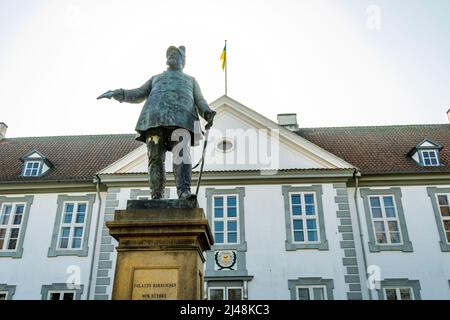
(357, 174)
(91, 272)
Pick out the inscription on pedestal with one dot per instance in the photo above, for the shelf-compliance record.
(155, 284)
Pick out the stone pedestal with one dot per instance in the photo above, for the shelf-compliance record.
(160, 251)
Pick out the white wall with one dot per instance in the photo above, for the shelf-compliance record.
(427, 263)
(35, 268)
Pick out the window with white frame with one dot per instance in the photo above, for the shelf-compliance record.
(405, 293)
(61, 291)
(3, 295)
(225, 293)
(226, 219)
(11, 217)
(444, 209)
(311, 293)
(430, 158)
(385, 220)
(72, 225)
(304, 217)
(32, 169)
(61, 295)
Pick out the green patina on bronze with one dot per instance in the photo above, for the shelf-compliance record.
(173, 100)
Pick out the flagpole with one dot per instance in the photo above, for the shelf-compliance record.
(226, 61)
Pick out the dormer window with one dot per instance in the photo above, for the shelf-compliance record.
(32, 168)
(426, 153)
(35, 164)
(430, 158)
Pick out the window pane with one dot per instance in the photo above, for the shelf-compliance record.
(218, 226)
(445, 211)
(311, 224)
(309, 199)
(393, 226)
(17, 219)
(310, 211)
(312, 235)
(54, 296)
(298, 224)
(232, 237)
(232, 212)
(14, 233)
(376, 212)
(375, 202)
(390, 294)
(379, 226)
(81, 209)
(2, 233)
(5, 215)
(443, 200)
(2, 296)
(295, 198)
(298, 236)
(405, 294)
(218, 237)
(388, 201)
(231, 201)
(390, 212)
(78, 232)
(76, 243)
(447, 225)
(232, 226)
(2, 242)
(12, 244)
(216, 294)
(297, 210)
(234, 294)
(68, 213)
(218, 212)
(303, 294)
(19, 209)
(448, 236)
(68, 296)
(65, 232)
(395, 237)
(64, 243)
(381, 238)
(318, 294)
(218, 201)
(80, 218)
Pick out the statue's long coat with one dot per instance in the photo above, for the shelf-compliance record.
(173, 98)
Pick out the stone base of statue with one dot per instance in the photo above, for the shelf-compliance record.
(160, 251)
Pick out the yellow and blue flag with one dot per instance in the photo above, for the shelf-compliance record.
(223, 57)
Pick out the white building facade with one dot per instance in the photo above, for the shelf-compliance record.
(325, 213)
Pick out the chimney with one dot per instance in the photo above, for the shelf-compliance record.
(288, 121)
(3, 128)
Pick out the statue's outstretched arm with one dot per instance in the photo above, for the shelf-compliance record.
(132, 96)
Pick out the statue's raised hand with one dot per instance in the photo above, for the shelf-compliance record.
(111, 94)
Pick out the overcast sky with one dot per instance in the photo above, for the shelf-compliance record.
(334, 63)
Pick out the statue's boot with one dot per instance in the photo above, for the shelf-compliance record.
(183, 174)
(156, 166)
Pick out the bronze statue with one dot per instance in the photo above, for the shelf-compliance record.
(169, 117)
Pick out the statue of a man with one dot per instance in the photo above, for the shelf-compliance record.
(173, 101)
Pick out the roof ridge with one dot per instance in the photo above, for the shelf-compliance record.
(381, 126)
(74, 136)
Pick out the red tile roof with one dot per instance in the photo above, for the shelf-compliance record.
(374, 150)
(75, 158)
(382, 149)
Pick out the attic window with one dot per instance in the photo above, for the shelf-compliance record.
(426, 153)
(430, 158)
(32, 168)
(35, 164)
